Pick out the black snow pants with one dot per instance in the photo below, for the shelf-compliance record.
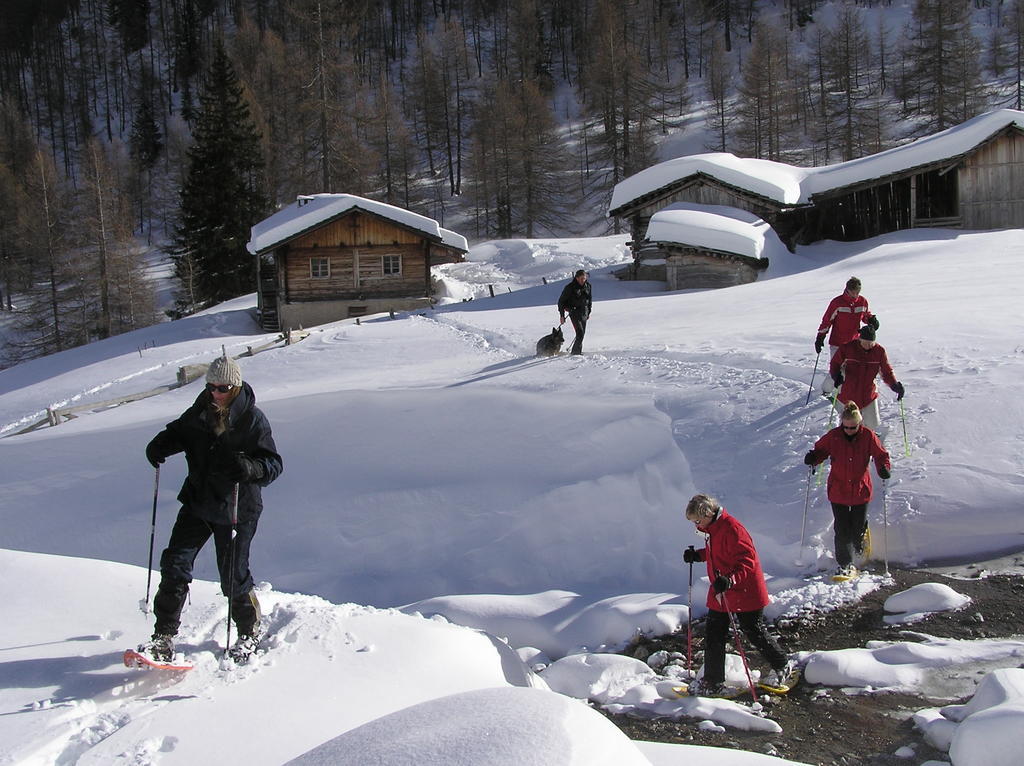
(188, 537)
(849, 523)
(753, 628)
(579, 326)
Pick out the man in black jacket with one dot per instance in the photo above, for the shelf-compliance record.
(576, 301)
(227, 444)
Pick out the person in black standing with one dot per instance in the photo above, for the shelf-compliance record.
(229, 447)
(575, 301)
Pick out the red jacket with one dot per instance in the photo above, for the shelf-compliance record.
(849, 481)
(730, 552)
(860, 368)
(845, 315)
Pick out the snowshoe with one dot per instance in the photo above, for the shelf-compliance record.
(135, 659)
(780, 681)
(701, 689)
(845, 574)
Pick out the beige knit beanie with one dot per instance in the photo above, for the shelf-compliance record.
(224, 371)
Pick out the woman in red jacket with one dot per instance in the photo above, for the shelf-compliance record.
(738, 586)
(854, 368)
(844, 315)
(851, 447)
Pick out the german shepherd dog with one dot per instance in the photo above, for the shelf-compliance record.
(551, 345)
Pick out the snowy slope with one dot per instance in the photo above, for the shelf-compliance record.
(432, 457)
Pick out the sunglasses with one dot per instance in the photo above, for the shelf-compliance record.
(211, 387)
(851, 428)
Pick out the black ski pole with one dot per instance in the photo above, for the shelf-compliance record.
(231, 560)
(811, 386)
(689, 617)
(152, 536)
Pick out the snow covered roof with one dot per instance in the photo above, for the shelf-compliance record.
(765, 178)
(312, 210)
(790, 185)
(714, 227)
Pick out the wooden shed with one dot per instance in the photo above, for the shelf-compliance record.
(705, 246)
(334, 256)
(969, 176)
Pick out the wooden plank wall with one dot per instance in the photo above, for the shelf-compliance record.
(342, 282)
(992, 185)
(358, 229)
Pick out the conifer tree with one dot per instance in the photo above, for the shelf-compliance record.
(942, 83)
(222, 196)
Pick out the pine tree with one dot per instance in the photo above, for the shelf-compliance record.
(719, 85)
(942, 83)
(761, 121)
(222, 196)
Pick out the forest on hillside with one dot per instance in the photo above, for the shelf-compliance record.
(131, 124)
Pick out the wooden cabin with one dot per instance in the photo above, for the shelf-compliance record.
(969, 176)
(335, 256)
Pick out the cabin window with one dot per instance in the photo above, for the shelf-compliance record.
(391, 264)
(319, 268)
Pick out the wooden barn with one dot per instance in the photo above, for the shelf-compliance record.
(334, 256)
(969, 176)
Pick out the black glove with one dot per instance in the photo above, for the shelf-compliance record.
(819, 343)
(812, 457)
(690, 555)
(883, 473)
(898, 388)
(154, 455)
(241, 468)
(721, 583)
(838, 379)
(873, 322)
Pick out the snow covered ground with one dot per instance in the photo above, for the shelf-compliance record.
(443, 487)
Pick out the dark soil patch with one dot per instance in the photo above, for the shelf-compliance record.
(823, 725)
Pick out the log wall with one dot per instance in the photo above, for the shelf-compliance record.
(688, 268)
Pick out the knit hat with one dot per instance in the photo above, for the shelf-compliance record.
(867, 332)
(581, 273)
(224, 371)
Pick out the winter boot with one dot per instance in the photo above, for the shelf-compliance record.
(159, 648)
(244, 647)
(783, 678)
